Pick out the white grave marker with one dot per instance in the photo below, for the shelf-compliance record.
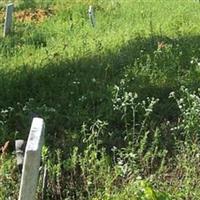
(32, 160)
(19, 149)
(8, 19)
(91, 16)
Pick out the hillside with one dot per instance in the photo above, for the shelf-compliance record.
(121, 100)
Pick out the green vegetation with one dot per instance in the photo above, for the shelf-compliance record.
(121, 101)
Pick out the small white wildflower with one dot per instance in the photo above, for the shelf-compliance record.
(114, 148)
(135, 95)
(181, 100)
(172, 94)
(123, 104)
(192, 95)
(93, 80)
(173, 129)
(120, 162)
(139, 178)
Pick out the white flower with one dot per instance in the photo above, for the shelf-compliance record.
(181, 100)
(172, 94)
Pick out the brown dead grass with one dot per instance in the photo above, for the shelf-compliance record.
(38, 15)
(29, 15)
(4, 148)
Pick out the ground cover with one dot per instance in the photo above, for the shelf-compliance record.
(120, 100)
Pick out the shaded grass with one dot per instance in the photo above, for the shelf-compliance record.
(70, 92)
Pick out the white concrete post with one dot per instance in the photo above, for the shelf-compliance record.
(8, 19)
(91, 16)
(32, 158)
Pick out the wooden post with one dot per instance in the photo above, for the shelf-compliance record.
(32, 160)
(91, 16)
(8, 19)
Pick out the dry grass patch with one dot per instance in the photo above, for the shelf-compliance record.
(38, 15)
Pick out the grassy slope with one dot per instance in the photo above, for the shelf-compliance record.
(78, 61)
(72, 68)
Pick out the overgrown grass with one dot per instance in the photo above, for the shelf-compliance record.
(112, 130)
